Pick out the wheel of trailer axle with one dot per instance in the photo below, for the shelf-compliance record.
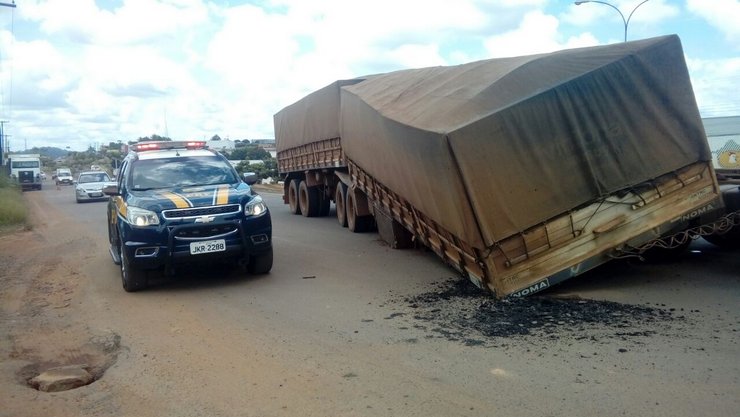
(355, 223)
(309, 199)
(293, 197)
(340, 201)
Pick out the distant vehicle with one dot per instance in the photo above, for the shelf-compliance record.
(89, 186)
(94, 167)
(63, 176)
(26, 170)
(178, 203)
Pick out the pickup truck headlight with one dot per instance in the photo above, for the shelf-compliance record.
(140, 217)
(255, 207)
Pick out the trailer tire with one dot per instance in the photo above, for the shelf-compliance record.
(340, 202)
(309, 200)
(355, 223)
(295, 208)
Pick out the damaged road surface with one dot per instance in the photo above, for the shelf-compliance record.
(373, 332)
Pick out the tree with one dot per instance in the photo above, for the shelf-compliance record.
(216, 137)
(267, 169)
(152, 138)
(249, 152)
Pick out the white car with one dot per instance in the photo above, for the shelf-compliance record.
(89, 186)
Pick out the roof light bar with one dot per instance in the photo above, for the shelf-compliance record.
(151, 146)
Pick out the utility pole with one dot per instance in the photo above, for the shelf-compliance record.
(3, 147)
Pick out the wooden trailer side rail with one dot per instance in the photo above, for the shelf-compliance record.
(315, 155)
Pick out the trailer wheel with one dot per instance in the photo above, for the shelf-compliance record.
(355, 223)
(309, 200)
(295, 208)
(340, 201)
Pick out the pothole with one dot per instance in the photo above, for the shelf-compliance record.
(72, 368)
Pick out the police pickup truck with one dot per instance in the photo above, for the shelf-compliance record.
(177, 203)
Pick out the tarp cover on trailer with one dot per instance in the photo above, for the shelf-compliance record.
(491, 148)
(310, 119)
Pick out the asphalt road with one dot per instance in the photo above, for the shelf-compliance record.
(335, 329)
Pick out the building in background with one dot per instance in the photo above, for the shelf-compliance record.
(723, 134)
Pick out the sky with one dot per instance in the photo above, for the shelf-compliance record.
(82, 73)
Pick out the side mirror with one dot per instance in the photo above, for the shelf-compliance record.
(111, 190)
(250, 178)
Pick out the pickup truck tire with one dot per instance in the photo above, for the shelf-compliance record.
(293, 196)
(355, 223)
(309, 200)
(260, 264)
(340, 201)
(132, 279)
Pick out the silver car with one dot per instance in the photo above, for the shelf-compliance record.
(89, 186)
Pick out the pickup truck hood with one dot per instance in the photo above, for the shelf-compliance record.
(187, 197)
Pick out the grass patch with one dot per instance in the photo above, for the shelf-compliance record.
(13, 209)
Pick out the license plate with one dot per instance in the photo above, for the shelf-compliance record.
(207, 246)
(96, 194)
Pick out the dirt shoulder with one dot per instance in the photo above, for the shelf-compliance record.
(41, 320)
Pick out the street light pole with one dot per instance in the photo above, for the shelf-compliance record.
(625, 21)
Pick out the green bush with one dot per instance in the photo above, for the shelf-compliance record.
(12, 208)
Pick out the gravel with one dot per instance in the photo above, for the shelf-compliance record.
(457, 310)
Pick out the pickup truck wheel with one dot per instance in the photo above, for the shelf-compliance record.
(260, 264)
(293, 197)
(340, 201)
(309, 199)
(355, 223)
(132, 279)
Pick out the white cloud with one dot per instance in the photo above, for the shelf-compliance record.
(722, 14)
(715, 85)
(537, 33)
(134, 21)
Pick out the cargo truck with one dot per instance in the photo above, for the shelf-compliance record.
(519, 172)
(25, 169)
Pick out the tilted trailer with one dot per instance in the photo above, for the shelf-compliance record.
(519, 172)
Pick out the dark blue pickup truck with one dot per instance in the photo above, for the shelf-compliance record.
(178, 203)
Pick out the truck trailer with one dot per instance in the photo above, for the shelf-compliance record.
(519, 172)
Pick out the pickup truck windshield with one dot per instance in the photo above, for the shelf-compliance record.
(180, 172)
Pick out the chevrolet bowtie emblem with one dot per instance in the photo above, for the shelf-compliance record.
(205, 219)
